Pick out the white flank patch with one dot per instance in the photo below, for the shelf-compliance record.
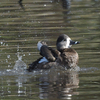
(43, 60)
(39, 45)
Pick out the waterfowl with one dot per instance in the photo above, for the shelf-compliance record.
(64, 56)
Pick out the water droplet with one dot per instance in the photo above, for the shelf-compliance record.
(45, 5)
(8, 56)
(1, 42)
(6, 44)
(8, 11)
(6, 60)
(29, 54)
(8, 65)
(23, 54)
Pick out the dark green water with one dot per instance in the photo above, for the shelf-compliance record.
(45, 20)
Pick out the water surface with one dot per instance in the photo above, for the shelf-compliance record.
(20, 30)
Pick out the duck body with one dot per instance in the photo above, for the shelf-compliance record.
(64, 56)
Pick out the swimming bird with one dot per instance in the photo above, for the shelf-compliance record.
(64, 56)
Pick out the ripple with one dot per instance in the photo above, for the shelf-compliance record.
(90, 69)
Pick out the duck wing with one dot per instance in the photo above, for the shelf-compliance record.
(49, 53)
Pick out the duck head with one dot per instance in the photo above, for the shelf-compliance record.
(64, 42)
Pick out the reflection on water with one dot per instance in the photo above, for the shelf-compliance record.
(45, 20)
(21, 4)
(60, 84)
(53, 83)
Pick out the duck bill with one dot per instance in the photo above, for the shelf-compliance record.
(74, 42)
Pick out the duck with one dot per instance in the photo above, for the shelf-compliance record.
(64, 55)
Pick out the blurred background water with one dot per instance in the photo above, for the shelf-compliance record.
(21, 29)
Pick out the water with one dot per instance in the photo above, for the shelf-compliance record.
(20, 30)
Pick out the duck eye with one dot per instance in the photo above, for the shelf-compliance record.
(64, 39)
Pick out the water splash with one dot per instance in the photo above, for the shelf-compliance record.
(20, 65)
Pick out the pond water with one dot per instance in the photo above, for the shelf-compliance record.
(21, 29)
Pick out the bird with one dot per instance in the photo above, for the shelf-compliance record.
(64, 55)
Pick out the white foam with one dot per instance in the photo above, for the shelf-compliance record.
(43, 60)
